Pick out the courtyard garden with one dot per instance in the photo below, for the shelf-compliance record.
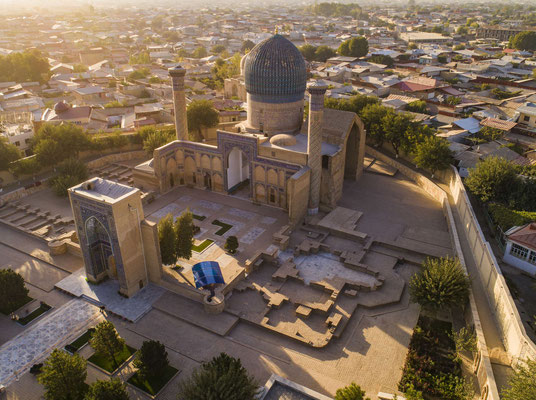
(111, 351)
(80, 342)
(43, 308)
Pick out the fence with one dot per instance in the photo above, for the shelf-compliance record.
(513, 334)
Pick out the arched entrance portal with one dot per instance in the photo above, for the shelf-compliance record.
(237, 171)
(100, 249)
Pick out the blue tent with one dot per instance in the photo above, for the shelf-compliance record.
(207, 273)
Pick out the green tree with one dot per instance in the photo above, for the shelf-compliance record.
(69, 140)
(372, 116)
(217, 49)
(323, 53)
(222, 378)
(200, 52)
(395, 128)
(247, 45)
(231, 244)
(524, 41)
(201, 114)
(462, 30)
(433, 154)
(30, 65)
(522, 384)
(382, 59)
(492, 179)
(105, 340)
(417, 106)
(25, 166)
(152, 359)
(113, 389)
(184, 235)
(63, 376)
(441, 284)
(70, 173)
(154, 139)
(13, 292)
(354, 47)
(167, 239)
(308, 51)
(48, 152)
(8, 153)
(351, 392)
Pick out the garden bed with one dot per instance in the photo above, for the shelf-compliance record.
(202, 246)
(6, 311)
(153, 386)
(102, 360)
(223, 227)
(199, 217)
(43, 308)
(82, 340)
(432, 366)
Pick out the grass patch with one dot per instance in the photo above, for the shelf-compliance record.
(6, 311)
(76, 345)
(106, 364)
(43, 308)
(223, 227)
(199, 217)
(202, 246)
(153, 386)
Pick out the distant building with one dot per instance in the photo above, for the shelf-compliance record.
(424, 37)
(495, 32)
(527, 115)
(520, 249)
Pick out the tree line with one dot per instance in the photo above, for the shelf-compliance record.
(28, 66)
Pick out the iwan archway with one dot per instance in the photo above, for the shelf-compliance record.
(238, 172)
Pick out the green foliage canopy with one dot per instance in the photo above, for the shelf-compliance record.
(441, 284)
(222, 378)
(167, 239)
(28, 66)
(13, 292)
(63, 376)
(106, 340)
(113, 389)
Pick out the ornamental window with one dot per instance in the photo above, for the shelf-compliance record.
(519, 251)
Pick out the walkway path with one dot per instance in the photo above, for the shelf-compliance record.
(498, 356)
(37, 342)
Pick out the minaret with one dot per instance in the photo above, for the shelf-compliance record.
(179, 101)
(314, 142)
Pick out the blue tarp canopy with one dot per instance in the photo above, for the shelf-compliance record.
(206, 273)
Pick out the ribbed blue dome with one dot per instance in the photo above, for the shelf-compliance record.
(274, 71)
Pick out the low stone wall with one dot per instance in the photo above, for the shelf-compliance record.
(514, 336)
(482, 364)
(117, 157)
(22, 192)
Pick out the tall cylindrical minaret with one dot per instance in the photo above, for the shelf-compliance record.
(179, 101)
(314, 142)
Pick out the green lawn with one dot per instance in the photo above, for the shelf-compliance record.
(153, 386)
(43, 308)
(6, 311)
(199, 217)
(202, 246)
(105, 363)
(81, 341)
(224, 227)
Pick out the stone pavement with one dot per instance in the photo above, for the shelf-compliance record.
(105, 293)
(53, 330)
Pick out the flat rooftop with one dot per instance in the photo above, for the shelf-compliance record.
(104, 190)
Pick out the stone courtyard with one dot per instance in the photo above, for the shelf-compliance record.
(320, 275)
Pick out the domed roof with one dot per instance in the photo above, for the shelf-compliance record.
(61, 107)
(274, 71)
(283, 140)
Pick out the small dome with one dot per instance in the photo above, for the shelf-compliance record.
(283, 140)
(60, 107)
(274, 71)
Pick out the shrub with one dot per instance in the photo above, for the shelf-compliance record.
(507, 218)
(231, 244)
(351, 392)
(442, 283)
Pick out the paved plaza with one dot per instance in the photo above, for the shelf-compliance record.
(53, 330)
(106, 294)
